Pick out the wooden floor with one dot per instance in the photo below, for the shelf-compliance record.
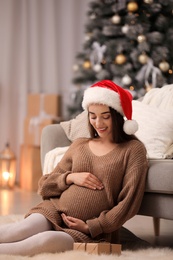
(19, 202)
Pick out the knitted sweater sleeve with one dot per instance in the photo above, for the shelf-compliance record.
(129, 198)
(53, 184)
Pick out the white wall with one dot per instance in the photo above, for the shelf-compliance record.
(38, 43)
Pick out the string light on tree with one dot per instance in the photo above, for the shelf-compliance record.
(132, 90)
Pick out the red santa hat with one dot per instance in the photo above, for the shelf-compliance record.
(106, 92)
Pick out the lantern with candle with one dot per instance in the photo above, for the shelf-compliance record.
(7, 168)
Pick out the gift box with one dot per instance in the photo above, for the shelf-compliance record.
(30, 167)
(98, 248)
(116, 249)
(50, 104)
(42, 110)
(79, 246)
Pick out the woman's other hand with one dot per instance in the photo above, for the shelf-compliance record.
(75, 223)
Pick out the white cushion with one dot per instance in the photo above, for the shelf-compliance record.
(77, 127)
(155, 129)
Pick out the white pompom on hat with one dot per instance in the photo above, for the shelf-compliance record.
(106, 92)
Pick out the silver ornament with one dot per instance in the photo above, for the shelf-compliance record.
(116, 19)
(125, 28)
(97, 67)
(141, 38)
(148, 1)
(126, 80)
(75, 67)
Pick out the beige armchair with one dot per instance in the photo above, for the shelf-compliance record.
(158, 197)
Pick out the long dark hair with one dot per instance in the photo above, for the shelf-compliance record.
(118, 134)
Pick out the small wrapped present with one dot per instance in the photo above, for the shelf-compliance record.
(98, 248)
(79, 246)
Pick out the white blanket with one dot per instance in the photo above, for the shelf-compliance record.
(52, 158)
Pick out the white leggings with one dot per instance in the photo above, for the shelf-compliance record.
(33, 235)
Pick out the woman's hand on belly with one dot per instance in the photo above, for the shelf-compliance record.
(75, 223)
(85, 179)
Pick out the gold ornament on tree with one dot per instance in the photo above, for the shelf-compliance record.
(87, 64)
(143, 58)
(120, 59)
(132, 6)
(164, 66)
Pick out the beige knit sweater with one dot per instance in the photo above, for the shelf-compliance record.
(123, 173)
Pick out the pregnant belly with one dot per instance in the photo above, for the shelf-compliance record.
(83, 203)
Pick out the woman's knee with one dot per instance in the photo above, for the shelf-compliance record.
(56, 241)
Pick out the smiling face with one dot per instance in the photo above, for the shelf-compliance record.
(100, 118)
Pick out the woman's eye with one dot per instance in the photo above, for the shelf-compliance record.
(103, 117)
(106, 117)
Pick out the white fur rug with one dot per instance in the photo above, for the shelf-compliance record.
(149, 254)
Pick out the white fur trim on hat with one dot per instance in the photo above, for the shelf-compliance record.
(104, 96)
(130, 127)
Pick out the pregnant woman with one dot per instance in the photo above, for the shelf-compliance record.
(96, 187)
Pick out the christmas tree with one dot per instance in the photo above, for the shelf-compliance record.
(129, 42)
